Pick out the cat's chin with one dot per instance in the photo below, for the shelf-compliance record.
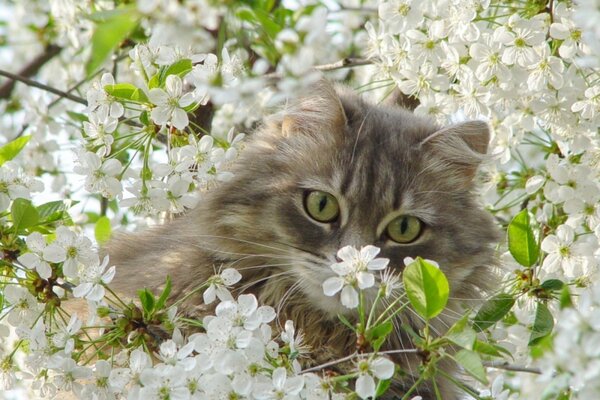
(313, 292)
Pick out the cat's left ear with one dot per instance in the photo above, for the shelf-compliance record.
(319, 109)
(461, 148)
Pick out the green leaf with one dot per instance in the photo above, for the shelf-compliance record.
(77, 117)
(490, 349)
(102, 230)
(147, 300)
(565, 298)
(426, 287)
(47, 209)
(542, 324)
(377, 335)
(11, 149)
(346, 322)
(24, 214)
(382, 387)
(111, 29)
(552, 284)
(179, 68)
(521, 240)
(472, 364)
(492, 311)
(164, 295)
(126, 91)
(461, 334)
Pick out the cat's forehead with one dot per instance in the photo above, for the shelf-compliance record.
(376, 166)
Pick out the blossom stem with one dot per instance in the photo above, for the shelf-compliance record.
(509, 367)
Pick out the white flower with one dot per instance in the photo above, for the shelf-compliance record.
(589, 107)
(14, 184)
(99, 129)
(100, 176)
(64, 337)
(41, 255)
(282, 387)
(565, 253)
(78, 250)
(24, 307)
(379, 367)
(100, 102)
(93, 278)
(219, 284)
(519, 44)
(353, 272)
(170, 104)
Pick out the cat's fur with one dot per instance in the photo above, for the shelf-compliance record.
(377, 161)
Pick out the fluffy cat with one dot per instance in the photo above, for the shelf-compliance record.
(274, 222)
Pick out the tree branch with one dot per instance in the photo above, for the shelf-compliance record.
(509, 367)
(348, 62)
(30, 69)
(30, 82)
(351, 356)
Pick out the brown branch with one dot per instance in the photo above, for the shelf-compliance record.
(509, 367)
(353, 355)
(30, 69)
(30, 82)
(348, 62)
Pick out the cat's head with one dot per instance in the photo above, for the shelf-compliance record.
(332, 170)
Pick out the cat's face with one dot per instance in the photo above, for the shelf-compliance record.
(329, 173)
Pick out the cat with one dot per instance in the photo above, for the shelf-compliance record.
(330, 170)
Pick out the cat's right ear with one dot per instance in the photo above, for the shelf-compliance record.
(318, 109)
(458, 150)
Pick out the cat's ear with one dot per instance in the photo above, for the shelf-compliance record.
(459, 149)
(318, 109)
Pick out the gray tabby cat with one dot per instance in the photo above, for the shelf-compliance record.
(330, 171)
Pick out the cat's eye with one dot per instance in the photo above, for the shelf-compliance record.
(321, 206)
(404, 229)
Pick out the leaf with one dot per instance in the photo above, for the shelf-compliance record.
(472, 364)
(147, 300)
(492, 311)
(47, 209)
(377, 335)
(11, 149)
(111, 29)
(179, 68)
(461, 334)
(24, 214)
(382, 387)
(102, 230)
(346, 322)
(426, 287)
(542, 324)
(126, 91)
(77, 117)
(552, 284)
(521, 240)
(164, 295)
(565, 298)
(490, 349)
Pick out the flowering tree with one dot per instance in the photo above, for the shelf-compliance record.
(117, 110)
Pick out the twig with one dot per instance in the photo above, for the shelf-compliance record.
(30, 69)
(509, 367)
(368, 10)
(343, 63)
(353, 355)
(47, 88)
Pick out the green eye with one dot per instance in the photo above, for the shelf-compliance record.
(404, 229)
(321, 206)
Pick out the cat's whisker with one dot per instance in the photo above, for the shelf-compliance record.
(288, 293)
(248, 285)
